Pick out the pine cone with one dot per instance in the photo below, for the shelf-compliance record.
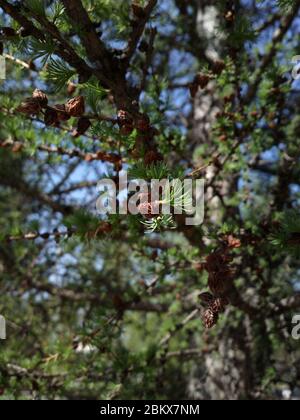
(194, 87)
(76, 106)
(202, 80)
(9, 32)
(233, 242)
(206, 298)
(83, 125)
(41, 97)
(106, 227)
(126, 129)
(152, 157)
(71, 88)
(142, 123)
(218, 67)
(209, 318)
(124, 118)
(51, 118)
(138, 11)
(29, 106)
(61, 112)
(219, 283)
(218, 305)
(229, 16)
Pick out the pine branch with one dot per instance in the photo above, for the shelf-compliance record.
(71, 153)
(95, 48)
(138, 30)
(278, 36)
(63, 50)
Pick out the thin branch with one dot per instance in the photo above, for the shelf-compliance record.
(71, 153)
(65, 51)
(268, 58)
(138, 29)
(95, 48)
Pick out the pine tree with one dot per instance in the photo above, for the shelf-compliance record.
(144, 306)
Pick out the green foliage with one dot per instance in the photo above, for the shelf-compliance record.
(157, 170)
(160, 223)
(58, 73)
(41, 50)
(287, 237)
(36, 6)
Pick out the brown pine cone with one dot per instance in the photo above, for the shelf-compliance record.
(214, 262)
(206, 298)
(126, 129)
(76, 106)
(218, 305)
(29, 106)
(124, 118)
(218, 67)
(71, 88)
(202, 80)
(151, 157)
(194, 87)
(219, 283)
(41, 97)
(7, 31)
(83, 125)
(106, 227)
(142, 123)
(209, 318)
(51, 118)
(233, 242)
(61, 112)
(138, 11)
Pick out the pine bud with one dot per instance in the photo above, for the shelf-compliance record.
(148, 210)
(76, 106)
(41, 97)
(29, 106)
(229, 16)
